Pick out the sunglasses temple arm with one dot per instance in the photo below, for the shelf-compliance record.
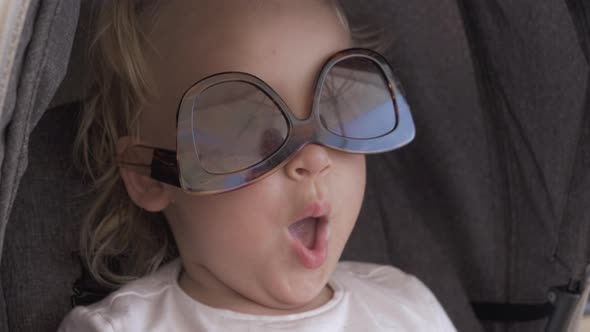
(164, 167)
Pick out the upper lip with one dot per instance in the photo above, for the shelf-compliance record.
(315, 209)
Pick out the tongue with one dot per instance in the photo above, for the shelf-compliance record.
(304, 230)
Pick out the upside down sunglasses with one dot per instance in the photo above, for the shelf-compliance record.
(234, 129)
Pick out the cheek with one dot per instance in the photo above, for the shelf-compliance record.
(347, 193)
(360, 169)
(227, 222)
(351, 178)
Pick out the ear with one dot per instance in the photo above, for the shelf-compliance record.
(147, 193)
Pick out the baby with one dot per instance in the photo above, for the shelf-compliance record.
(226, 140)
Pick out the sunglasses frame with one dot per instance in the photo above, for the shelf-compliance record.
(172, 167)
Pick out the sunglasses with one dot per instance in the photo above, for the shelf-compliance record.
(233, 129)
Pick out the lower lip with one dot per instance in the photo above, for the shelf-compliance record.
(313, 258)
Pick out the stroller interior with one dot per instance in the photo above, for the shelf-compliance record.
(489, 205)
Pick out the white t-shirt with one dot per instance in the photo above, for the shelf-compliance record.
(367, 297)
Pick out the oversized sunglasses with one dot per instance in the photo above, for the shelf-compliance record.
(234, 129)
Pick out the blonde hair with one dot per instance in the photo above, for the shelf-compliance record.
(120, 242)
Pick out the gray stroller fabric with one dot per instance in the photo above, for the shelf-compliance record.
(39, 268)
(488, 204)
(38, 67)
(38, 64)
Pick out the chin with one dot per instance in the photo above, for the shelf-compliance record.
(301, 303)
(299, 296)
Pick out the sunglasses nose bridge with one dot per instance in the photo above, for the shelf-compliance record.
(304, 132)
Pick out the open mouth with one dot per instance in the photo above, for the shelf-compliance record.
(309, 240)
(305, 231)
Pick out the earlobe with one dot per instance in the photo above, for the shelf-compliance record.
(147, 193)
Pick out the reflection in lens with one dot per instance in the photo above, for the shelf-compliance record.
(235, 126)
(355, 100)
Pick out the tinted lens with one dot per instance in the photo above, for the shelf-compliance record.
(355, 100)
(235, 126)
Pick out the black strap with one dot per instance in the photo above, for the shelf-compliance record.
(86, 290)
(512, 312)
(164, 167)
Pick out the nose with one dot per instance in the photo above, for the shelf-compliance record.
(311, 161)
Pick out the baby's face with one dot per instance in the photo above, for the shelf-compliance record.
(248, 249)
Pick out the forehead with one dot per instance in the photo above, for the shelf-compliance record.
(282, 42)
